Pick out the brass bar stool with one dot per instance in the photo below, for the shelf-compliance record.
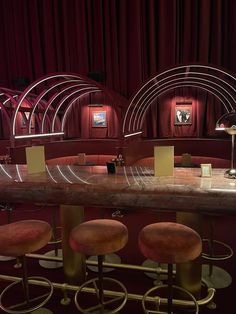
(215, 277)
(100, 237)
(17, 239)
(168, 242)
(8, 209)
(112, 258)
(55, 240)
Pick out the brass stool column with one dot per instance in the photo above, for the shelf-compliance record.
(100, 237)
(55, 240)
(17, 239)
(216, 277)
(168, 242)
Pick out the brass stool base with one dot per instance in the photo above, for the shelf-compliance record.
(51, 264)
(158, 277)
(34, 308)
(161, 301)
(219, 278)
(109, 258)
(216, 245)
(42, 310)
(108, 301)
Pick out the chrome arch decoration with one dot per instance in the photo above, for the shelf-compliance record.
(54, 95)
(8, 100)
(216, 81)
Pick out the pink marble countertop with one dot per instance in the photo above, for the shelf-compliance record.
(131, 187)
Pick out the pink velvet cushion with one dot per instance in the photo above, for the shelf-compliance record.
(99, 237)
(169, 242)
(22, 237)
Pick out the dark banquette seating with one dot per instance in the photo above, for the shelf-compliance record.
(101, 160)
(98, 160)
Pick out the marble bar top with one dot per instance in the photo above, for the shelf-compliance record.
(131, 187)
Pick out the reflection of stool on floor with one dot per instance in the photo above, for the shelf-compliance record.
(55, 240)
(100, 237)
(168, 242)
(18, 239)
(214, 276)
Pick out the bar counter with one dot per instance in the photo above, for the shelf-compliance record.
(130, 187)
(73, 187)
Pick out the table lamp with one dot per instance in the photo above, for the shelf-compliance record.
(227, 123)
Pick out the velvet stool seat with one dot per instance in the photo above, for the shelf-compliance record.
(17, 239)
(170, 243)
(100, 237)
(8, 209)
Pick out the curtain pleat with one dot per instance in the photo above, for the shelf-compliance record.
(126, 40)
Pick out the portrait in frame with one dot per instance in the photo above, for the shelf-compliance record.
(99, 119)
(206, 170)
(183, 113)
(25, 118)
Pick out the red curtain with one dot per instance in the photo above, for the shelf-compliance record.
(126, 40)
(205, 110)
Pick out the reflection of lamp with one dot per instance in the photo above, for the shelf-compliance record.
(227, 123)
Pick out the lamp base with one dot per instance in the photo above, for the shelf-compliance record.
(231, 174)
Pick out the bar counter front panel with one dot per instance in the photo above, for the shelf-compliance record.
(73, 187)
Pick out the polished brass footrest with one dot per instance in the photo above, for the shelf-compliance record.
(210, 293)
(109, 304)
(155, 305)
(216, 244)
(32, 303)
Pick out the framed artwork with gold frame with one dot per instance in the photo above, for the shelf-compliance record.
(206, 170)
(99, 119)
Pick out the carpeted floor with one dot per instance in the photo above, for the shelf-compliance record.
(135, 281)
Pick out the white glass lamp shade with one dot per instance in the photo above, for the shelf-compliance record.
(227, 123)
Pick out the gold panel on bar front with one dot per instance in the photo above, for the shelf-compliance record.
(73, 262)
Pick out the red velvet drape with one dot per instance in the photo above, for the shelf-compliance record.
(127, 40)
(160, 119)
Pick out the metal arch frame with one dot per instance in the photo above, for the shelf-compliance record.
(39, 98)
(178, 86)
(198, 85)
(89, 91)
(136, 99)
(9, 98)
(35, 84)
(185, 80)
(53, 84)
(169, 81)
(71, 103)
(53, 98)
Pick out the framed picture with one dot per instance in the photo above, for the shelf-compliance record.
(206, 170)
(99, 119)
(183, 113)
(25, 118)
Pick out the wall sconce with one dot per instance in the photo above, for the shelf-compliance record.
(227, 123)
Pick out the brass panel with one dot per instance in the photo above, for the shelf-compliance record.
(73, 262)
(188, 275)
